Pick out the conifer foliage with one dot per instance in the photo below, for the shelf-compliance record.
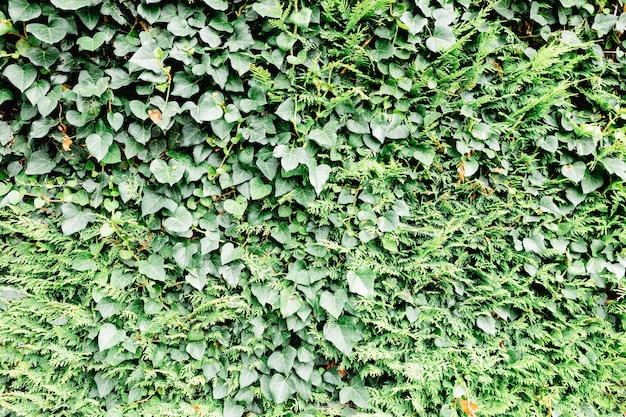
(294, 208)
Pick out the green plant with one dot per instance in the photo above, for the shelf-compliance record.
(335, 208)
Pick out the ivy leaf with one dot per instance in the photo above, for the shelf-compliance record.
(232, 409)
(152, 202)
(23, 11)
(356, 394)
(389, 221)
(209, 107)
(441, 39)
(268, 8)
(615, 166)
(268, 167)
(179, 222)
(107, 337)
(241, 39)
(287, 111)
(487, 324)
(89, 43)
(146, 58)
(196, 349)
(575, 172)
(591, 182)
(280, 388)
(604, 23)
(39, 163)
(104, 384)
(326, 137)
(153, 267)
(361, 281)
(167, 173)
(258, 189)
(70, 4)
(54, 32)
(342, 335)
(318, 176)
(98, 145)
(282, 361)
(290, 303)
(230, 253)
(75, 218)
(21, 76)
(219, 5)
(236, 207)
(302, 17)
(334, 303)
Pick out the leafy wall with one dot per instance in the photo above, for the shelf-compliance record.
(312, 208)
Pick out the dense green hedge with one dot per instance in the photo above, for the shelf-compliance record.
(213, 208)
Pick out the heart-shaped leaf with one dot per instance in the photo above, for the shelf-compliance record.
(258, 189)
(153, 267)
(575, 172)
(361, 281)
(21, 76)
(98, 145)
(179, 222)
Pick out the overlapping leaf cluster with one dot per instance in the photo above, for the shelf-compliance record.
(326, 208)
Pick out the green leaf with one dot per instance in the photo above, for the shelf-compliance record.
(282, 361)
(247, 377)
(232, 409)
(268, 167)
(342, 335)
(268, 8)
(615, 166)
(146, 57)
(334, 303)
(179, 222)
(153, 267)
(39, 163)
(290, 303)
(361, 281)
(219, 5)
(92, 43)
(104, 385)
(326, 137)
(241, 39)
(441, 39)
(21, 76)
(318, 176)
(258, 189)
(196, 349)
(107, 337)
(153, 202)
(604, 23)
(75, 218)
(71, 4)
(209, 107)
(167, 173)
(287, 111)
(54, 32)
(575, 172)
(280, 388)
(591, 182)
(389, 221)
(236, 207)
(487, 324)
(356, 394)
(230, 253)
(414, 24)
(23, 10)
(534, 244)
(301, 18)
(98, 145)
